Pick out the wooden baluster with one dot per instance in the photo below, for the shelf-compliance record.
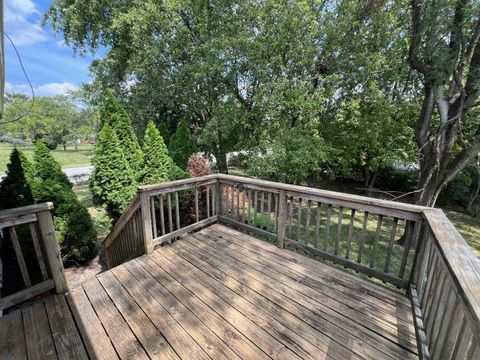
(214, 209)
(208, 201)
(327, 228)
(317, 225)
(437, 316)
(269, 209)
(238, 204)
(350, 233)
(262, 215)
(408, 242)
(249, 206)
(52, 250)
(177, 210)
(307, 221)
(290, 218)
(162, 214)
(431, 276)
(218, 198)
(446, 327)
(464, 339)
(38, 250)
(255, 200)
(361, 243)
(243, 205)
(147, 221)
(275, 209)
(154, 217)
(390, 244)
(197, 215)
(19, 255)
(339, 229)
(376, 240)
(299, 218)
(281, 218)
(232, 202)
(169, 208)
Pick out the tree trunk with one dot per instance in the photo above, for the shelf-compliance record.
(221, 157)
(64, 146)
(75, 144)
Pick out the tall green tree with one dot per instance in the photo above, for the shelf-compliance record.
(113, 114)
(15, 187)
(113, 183)
(182, 145)
(75, 231)
(158, 165)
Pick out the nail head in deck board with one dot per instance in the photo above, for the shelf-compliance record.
(65, 335)
(12, 340)
(151, 339)
(38, 336)
(94, 336)
(153, 306)
(124, 341)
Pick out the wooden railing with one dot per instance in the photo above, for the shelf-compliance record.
(414, 248)
(38, 220)
(445, 292)
(353, 231)
(154, 217)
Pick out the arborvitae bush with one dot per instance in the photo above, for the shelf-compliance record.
(158, 165)
(182, 145)
(15, 188)
(198, 166)
(113, 183)
(113, 114)
(74, 226)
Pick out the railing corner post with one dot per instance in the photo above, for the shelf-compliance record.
(52, 250)
(146, 221)
(218, 198)
(281, 218)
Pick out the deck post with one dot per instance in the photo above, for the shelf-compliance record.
(218, 198)
(281, 218)
(146, 221)
(52, 250)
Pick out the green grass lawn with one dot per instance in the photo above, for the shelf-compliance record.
(68, 158)
(468, 227)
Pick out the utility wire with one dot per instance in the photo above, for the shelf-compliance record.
(28, 80)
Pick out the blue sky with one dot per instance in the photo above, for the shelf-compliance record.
(52, 67)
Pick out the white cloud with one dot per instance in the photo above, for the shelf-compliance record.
(22, 22)
(50, 89)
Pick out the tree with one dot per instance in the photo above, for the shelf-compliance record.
(75, 231)
(164, 132)
(15, 187)
(445, 50)
(158, 165)
(113, 183)
(113, 114)
(182, 145)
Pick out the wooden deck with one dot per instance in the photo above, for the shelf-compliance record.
(216, 294)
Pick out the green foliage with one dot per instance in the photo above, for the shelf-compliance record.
(113, 114)
(290, 156)
(182, 145)
(73, 224)
(47, 169)
(15, 188)
(464, 188)
(113, 183)
(158, 165)
(164, 132)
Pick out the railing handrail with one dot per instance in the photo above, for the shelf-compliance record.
(326, 193)
(7, 214)
(127, 213)
(462, 263)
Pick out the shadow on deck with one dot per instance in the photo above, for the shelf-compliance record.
(218, 294)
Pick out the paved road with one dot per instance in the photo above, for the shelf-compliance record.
(75, 174)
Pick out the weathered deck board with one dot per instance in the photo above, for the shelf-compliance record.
(216, 294)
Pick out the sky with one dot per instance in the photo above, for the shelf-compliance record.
(52, 67)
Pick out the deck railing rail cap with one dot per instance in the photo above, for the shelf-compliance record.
(29, 209)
